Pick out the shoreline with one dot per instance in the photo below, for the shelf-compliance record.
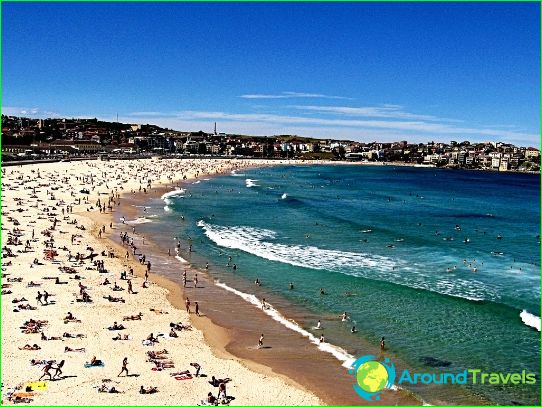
(239, 349)
(216, 336)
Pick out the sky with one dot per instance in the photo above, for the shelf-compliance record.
(359, 71)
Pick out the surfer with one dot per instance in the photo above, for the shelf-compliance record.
(319, 325)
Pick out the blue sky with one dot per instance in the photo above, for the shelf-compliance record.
(361, 71)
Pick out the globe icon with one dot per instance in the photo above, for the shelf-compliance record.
(372, 376)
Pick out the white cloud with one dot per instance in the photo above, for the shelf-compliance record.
(290, 95)
(390, 122)
(268, 124)
(384, 111)
(28, 112)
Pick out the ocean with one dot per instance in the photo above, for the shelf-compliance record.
(444, 264)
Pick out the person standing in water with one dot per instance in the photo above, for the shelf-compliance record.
(187, 302)
(382, 345)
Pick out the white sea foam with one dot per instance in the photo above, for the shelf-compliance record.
(251, 183)
(167, 209)
(260, 242)
(251, 240)
(234, 173)
(196, 182)
(339, 353)
(138, 221)
(172, 193)
(530, 320)
(284, 196)
(181, 259)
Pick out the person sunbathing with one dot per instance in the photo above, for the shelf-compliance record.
(114, 299)
(57, 281)
(37, 362)
(106, 282)
(120, 337)
(104, 389)
(173, 334)
(117, 288)
(24, 307)
(69, 317)
(52, 338)
(163, 364)
(116, 327)
(211, 399)
(216, 382)
(30, 347)
(133, 317)
(95, 362)
(85, 298)
(158, 352)
(158, 311)
(150, 390)
(76, 336)
(68, 349)
(15, 300)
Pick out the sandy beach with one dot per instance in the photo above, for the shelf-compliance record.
(56, 259)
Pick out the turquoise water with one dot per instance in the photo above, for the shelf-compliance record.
(439, 262)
